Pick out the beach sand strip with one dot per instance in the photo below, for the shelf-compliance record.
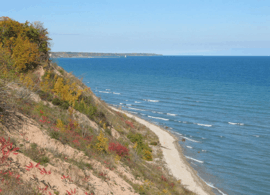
(174, 158)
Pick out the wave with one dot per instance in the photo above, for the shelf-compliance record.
(190, 139)
(204, 150)
(160, 112)
(104, 92)
(171, 114)
(231, 123)
(121, 103)
(108, 90)
(164, 119)
(256, 135)
(178, 133)
(137, 102)
(116, 93)
(205, 125)
(133, 112)
(129, 104)
(212, 186)
(199, 161)
(136, 109)
(150, 100)
(189, 147)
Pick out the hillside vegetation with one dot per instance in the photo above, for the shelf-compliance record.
(57, 137)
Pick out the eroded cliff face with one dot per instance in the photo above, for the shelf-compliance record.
(57, 137)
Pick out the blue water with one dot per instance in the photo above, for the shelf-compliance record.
(220, 105)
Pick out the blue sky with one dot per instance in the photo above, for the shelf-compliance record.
(195, 27)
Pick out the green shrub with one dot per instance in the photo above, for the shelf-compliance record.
(56, 102)
(141, 146)
(45, 96)
(108, 131)
(44, 160)
(61, 103)
(85, 108)
(55, 135)
(153, 143)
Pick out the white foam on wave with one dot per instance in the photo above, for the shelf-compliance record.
(136, 109)
(204, 125)
(171, 114)
(164, 119)
(129, 105)
(160, 112)
(256, 135)
(154, 112)
(150, 100)
(204, 150)
(178, 133)
(121, 103)
(184, 121)
(231, 123)
(107, 89)
(199, 161)
(191, 139)
(203, 138)
(104, 92)
(133, 112)
(137, 102)
(212, 186)
(189, 147)
(116, 93)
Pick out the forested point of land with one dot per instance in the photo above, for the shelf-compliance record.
(92, 55)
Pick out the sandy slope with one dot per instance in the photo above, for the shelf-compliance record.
(174, 158)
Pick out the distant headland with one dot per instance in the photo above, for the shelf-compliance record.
(96, 55)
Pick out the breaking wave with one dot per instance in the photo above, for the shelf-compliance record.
(150, 100)
(171, 114)
(231, 123)
(164, 119)
(199, 161)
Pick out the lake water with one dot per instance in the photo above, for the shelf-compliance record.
(220, 105)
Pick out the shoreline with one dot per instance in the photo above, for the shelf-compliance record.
(174, 158)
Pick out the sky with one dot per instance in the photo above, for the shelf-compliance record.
(172, 27)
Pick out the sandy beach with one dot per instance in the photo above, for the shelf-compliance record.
(174, 158)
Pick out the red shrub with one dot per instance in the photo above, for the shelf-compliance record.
(119, 149)
(130, 124)
(172, 185)
(163, 178)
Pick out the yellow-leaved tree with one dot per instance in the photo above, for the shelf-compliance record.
(102, 144)
(25, 54)
(67, 92)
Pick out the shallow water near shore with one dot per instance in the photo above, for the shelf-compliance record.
(219, 105)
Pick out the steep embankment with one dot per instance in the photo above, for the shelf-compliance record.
(57, 137)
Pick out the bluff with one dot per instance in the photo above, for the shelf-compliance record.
(57, 137)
